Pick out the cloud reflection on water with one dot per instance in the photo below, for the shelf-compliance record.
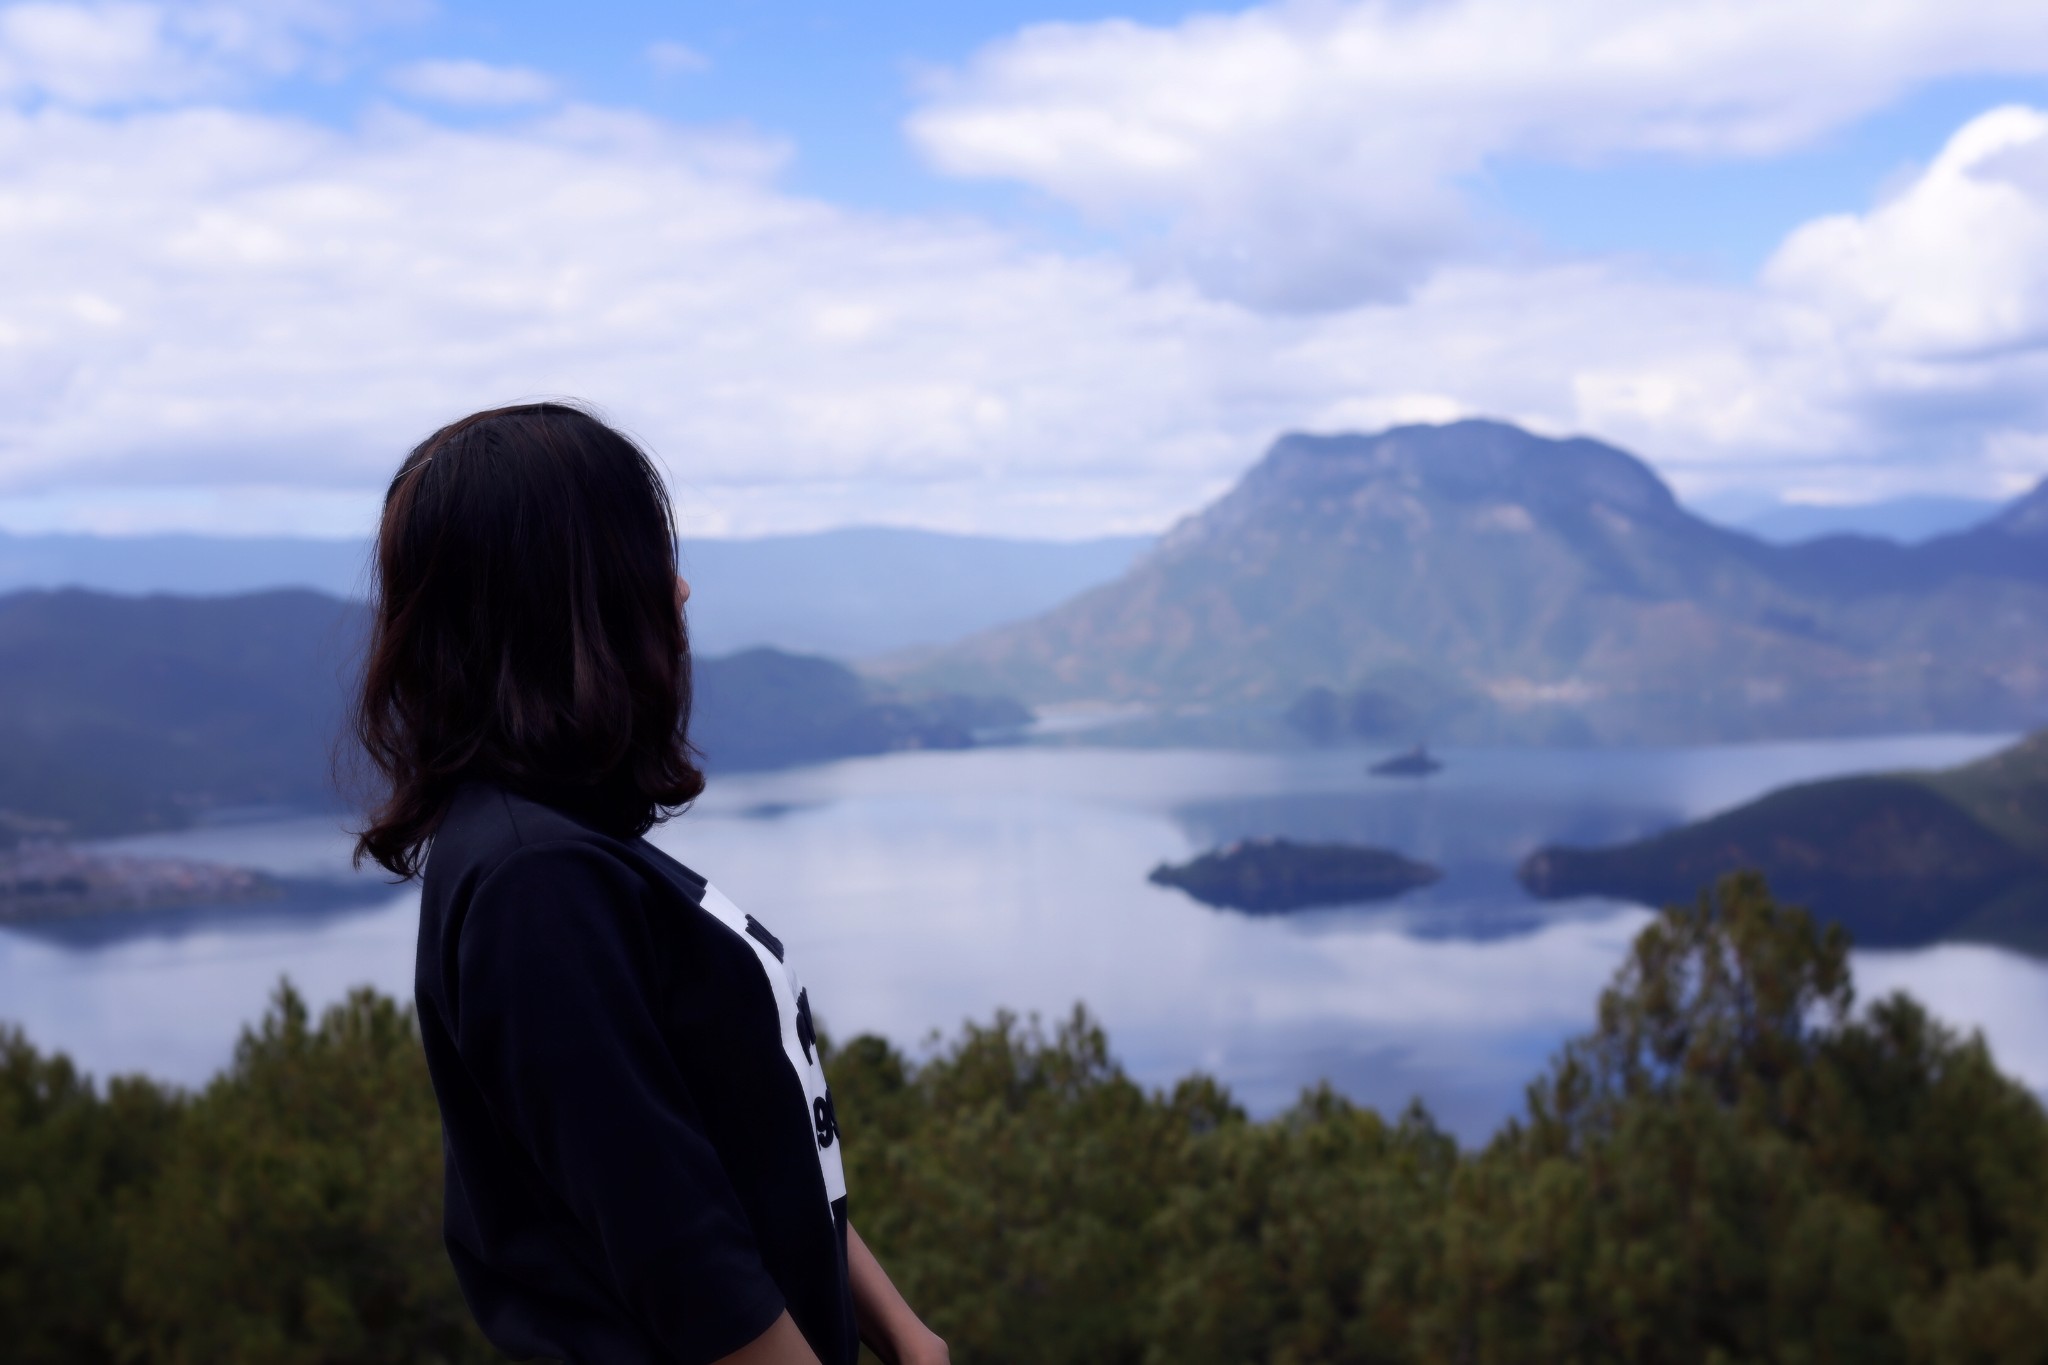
(920, 890)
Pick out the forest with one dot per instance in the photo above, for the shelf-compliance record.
(1737, 1162)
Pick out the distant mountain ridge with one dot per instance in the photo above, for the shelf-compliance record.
(847, 592)
(1493, 583)
(862, 590)
(1909, 519)
(193, 565)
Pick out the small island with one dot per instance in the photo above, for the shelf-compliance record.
(1415, 762)
(1271, 876)
(51, 880)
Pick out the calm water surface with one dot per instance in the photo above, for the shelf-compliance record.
(919, 890)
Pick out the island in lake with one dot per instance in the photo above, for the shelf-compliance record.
(1268, 876)
(1415, 762)
(1898, 859)
(43, 878)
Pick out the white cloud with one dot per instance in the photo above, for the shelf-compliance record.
(1308, 153)
(1928, 315)
(272, 302)
(670, 58)
(1903, 348)
(1952, 266)
(215, 300)
(128, 51)
(464, 82)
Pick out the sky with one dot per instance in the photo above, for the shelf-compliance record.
(1026, 269)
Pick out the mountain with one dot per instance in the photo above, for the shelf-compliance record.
(125, 713)
(129, 713)
(849, 592)
(1479, 581)
(1899, 859)
(763, 708)
(187, 564)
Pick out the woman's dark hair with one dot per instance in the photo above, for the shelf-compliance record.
(526, 630)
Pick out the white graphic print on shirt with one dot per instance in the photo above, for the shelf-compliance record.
(799, 1034)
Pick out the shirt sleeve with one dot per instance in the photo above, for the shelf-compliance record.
(557, 1027)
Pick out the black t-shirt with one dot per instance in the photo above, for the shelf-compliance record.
(642, 1159)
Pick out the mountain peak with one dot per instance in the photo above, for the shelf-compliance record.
(1417, 475)
(1485, 581)
(1475, 460)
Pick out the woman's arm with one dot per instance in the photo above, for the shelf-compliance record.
(887, 1325)
(781, 1344)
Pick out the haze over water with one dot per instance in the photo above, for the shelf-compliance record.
(919, 890)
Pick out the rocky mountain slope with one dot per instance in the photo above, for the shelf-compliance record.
(1476, 580)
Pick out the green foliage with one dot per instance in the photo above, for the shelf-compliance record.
(1733, 1166)
(67, 1155)
(297, 1216)
(287, 1215)
(1043, 1165)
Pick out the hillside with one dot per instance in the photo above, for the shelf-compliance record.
(124, 713)
(129, 713)
(1901, 858)
(1477, 581)
(763, 708)
(2007, 792)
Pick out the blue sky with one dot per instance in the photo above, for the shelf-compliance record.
(1727, 216)
(1011, 267)
(838, 81)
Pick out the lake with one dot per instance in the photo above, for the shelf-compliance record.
(919, 890)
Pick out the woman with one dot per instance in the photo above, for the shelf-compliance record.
(642, 1157)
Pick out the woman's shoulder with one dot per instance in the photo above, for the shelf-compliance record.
(487, 826)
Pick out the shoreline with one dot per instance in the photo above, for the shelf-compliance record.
(50, 880)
